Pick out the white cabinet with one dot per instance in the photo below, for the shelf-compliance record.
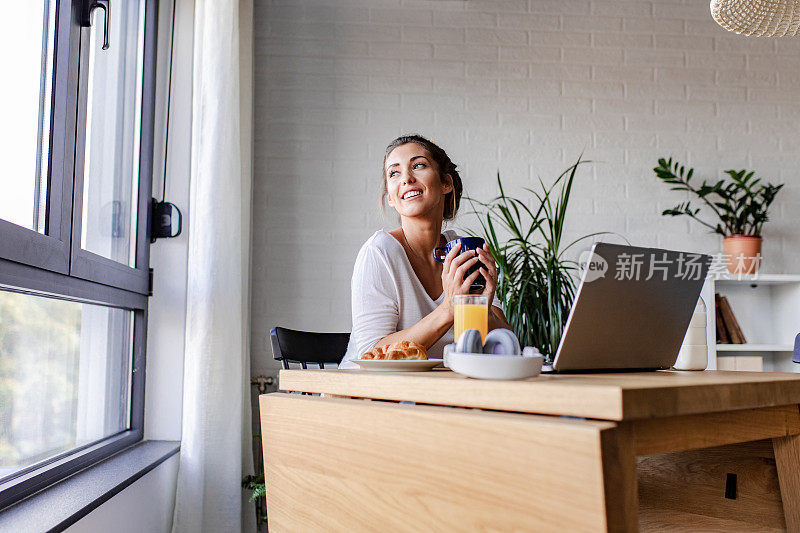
(767, 307)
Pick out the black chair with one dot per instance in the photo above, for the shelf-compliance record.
(292, 346)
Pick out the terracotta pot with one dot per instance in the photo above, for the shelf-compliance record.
(742, 253)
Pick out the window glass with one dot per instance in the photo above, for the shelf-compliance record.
(64, 376)
(26, 57)
(113, 116)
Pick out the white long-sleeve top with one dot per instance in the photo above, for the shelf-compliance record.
(387, 296)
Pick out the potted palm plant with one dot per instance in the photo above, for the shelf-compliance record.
(739, 203)
(536, 281)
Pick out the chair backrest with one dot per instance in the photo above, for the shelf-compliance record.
(292, 346)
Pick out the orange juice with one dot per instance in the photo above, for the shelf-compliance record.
(471, 312)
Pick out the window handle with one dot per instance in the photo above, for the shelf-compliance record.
(87, 7)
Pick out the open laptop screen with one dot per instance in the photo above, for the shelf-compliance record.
(632, 308)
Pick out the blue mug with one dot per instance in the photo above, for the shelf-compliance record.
(468, 244)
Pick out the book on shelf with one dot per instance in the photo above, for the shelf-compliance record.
(749, 363)
(728, 329)
(722, 334)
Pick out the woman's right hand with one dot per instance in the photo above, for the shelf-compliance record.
(455, 266)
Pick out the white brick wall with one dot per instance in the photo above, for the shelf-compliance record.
(522, 86)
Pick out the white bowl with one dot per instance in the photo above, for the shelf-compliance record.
(485, 366)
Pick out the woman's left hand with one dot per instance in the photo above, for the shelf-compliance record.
(489, 271)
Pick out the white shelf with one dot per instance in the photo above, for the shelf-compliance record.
(754, 348)
(767, 309)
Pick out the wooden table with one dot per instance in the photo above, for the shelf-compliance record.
(617, 452)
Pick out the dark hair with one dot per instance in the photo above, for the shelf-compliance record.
(444, 164)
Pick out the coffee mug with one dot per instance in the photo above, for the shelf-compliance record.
(468, 244)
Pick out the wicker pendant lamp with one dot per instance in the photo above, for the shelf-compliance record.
(767, 18)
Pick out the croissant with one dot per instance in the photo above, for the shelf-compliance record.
(398, 350)
(378, 352)
(406, 350)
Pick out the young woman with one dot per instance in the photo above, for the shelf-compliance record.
(399, 292)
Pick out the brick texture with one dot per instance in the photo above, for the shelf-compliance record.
(519, 86)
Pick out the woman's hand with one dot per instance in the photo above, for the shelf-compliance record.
(489, 271)
(455, 266)
(497, 319)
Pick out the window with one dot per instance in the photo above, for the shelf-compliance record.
(25, 103)
(76, 147)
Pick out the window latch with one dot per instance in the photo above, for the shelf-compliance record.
(165, 220)
(87, 7)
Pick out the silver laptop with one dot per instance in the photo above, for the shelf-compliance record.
(632, 309)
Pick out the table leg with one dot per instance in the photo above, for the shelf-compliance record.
(620, 478)
(787, 461)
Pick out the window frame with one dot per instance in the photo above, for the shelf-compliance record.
(40, 282)
(86, 264)
(48, 264)
(50, 250)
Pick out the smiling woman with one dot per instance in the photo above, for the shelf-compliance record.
(399, 291)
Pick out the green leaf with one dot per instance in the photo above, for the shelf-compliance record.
(739, 202)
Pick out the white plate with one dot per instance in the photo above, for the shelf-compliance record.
(398, 365)
(485, 366)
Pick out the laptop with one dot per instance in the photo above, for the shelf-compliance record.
(632, 309)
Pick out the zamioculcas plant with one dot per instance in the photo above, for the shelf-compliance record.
(739, 205)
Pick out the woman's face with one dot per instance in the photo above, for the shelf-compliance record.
(414, 187)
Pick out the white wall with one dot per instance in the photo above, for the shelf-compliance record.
(516, 85)
(167, 313)
(144, 507)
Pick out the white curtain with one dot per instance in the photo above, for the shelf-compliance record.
(216, 436)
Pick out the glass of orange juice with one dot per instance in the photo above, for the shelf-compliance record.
(471, 312)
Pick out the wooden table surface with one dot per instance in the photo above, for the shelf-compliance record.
(623, 396)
